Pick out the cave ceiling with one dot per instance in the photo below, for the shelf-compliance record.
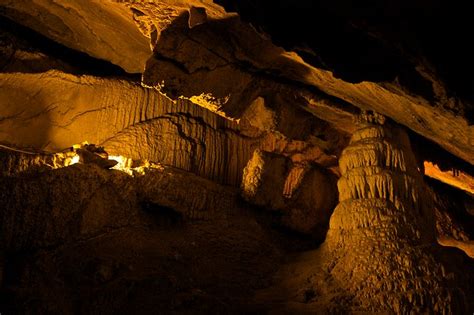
(330, 58)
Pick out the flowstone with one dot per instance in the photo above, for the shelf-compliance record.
(380, 253)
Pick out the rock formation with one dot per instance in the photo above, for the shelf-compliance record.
(187, 157)
(303, 193)
(380, 252)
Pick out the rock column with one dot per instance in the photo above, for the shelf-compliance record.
(381, 246)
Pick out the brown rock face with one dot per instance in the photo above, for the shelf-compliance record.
(167, 240)
(72, 24)
(61, 110)
(383, 228)
(264, 178)
(380, 251)
(303, 193)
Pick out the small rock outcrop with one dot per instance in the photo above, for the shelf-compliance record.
(303, 193)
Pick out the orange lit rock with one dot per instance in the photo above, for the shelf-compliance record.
(142, 124)
(222, 82)
(264, 179)
(454, 223)
(466, 246)
(304, 194)
(431, 119)
(380, 253)
(17, 162)
(455, 178)
(191, 102)
(103, 30)
(99, 111)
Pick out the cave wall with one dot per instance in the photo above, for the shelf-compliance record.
(52, 111)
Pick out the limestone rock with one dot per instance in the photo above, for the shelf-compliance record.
(454, 223)
(16, 162)
(101, 111)
(260, 116)
(65, 205)
(311, 204)
(304, 194)
(110, 242)
(193, 197)
(383, 214)
(380, 253)
(429, 118)
(264, 178)
(20, 55)
(131, 121)
(84, 200)
(221, 74)
(91, 154)
(106, 31)
(191, 101)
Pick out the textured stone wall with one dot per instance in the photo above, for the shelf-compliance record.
(52, 111)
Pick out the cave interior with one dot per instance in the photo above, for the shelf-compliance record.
(236, 157)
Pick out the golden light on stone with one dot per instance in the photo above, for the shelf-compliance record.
(75, 159)
(123, 163)
(455, 178)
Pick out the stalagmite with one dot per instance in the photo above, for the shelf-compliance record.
(383, 242)
(380, 253)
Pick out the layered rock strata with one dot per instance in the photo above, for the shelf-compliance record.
(82, 239)
(52, 111)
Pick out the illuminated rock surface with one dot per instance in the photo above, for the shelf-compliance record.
(130, 120)
(380, 252)
(183, 157)
(304, 194)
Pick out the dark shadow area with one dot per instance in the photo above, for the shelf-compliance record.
(454, 202)
(288, 239)
(13, 267)
(427, 150)
(325, 35)
(162, 216)
(374, 40)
